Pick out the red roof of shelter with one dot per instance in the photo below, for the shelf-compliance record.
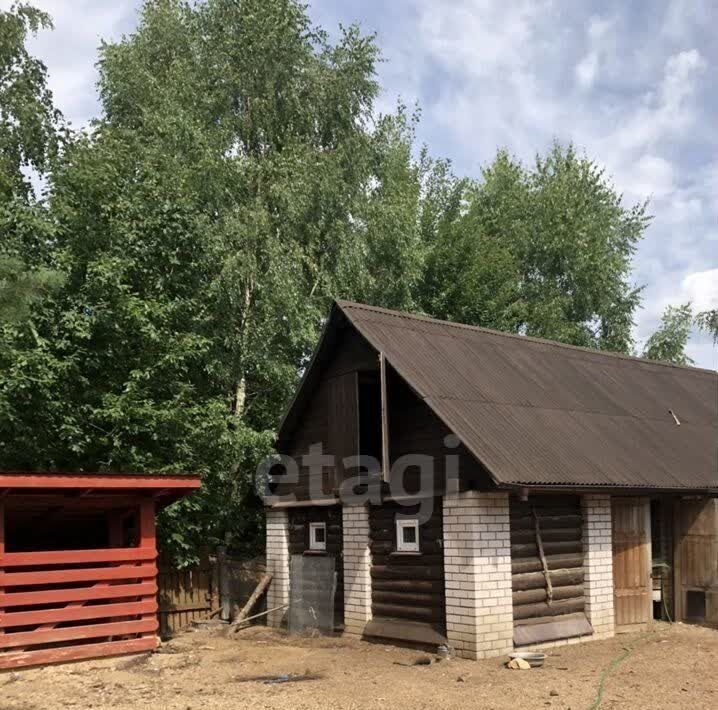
(165, 488)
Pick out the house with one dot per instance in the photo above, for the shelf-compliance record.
(78, 572)
(494, 491)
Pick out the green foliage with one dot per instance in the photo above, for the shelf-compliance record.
(708, 321)
(545, 251)
(668, 343)
(236, 181)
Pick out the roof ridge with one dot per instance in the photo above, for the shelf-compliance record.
(342, 303)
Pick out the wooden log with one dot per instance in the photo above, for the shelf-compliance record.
(547, 535)
(536, 580)
(401, 585)
(400, 611)
(550, 548)
(566, 606)
(531, 596)
(259, 590)
(426, 548)
(404, 559)
(525, 521)
(406, 572)
(554, 562)
(407, 598)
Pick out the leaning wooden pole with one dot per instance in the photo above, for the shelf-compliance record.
(260, 589)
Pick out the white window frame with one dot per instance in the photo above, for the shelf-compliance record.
(314, 544)
(401, 525)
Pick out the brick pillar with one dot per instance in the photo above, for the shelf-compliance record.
(477, 572)
(598, 564)
(277, 564)
(357, 568)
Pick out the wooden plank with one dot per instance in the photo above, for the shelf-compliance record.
(99, 611)
(552, 629)
(76, 653)
(631, 534)
(343, 422)
(2, 554)
(76, 633)
(88, 574)
(64, 557)
(385, 463)
(51, 596)
(110, 481)
(404, 630)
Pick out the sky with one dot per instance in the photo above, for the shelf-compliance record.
(631, 84)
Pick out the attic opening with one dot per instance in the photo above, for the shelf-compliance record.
(370, 416)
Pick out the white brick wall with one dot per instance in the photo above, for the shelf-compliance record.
(598, 564)
(477, 571)
(277, 564)
(357, 568)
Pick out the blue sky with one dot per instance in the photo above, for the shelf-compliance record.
(634, 84)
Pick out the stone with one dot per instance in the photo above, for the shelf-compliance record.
(518, 664)
(554, 693)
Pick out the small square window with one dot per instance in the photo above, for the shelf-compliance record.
(407, 535)
(317, 536)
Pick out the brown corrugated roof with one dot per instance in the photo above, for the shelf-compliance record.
(536, 412)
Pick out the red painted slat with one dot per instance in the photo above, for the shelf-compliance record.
(51, 596)
(76, 653)
(64, 557)
(90, 574)
(113, 481)
(74, 633)
(99, 611)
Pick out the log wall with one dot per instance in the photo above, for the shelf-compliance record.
(407, 586)
(547, 566)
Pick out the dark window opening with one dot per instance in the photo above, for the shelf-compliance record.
(695, 605)
(662, 559)
(370, 417)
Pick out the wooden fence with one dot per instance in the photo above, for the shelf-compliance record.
(94, 602)
(214, 587)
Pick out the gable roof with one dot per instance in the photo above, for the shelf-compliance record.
(535, 412)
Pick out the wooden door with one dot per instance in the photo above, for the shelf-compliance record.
(632, 561)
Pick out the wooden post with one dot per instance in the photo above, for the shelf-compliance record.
(2, 552)
(225, 601)
(385, 464)
(148, 541)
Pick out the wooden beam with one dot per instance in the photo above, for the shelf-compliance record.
(2, 555)
(106, 481)
(63, 557)
(75, 633)
(76, 653)
(58, 596)
(81, 613)
(92, 574)
(385, 463)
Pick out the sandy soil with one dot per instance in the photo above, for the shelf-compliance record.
(667, 667)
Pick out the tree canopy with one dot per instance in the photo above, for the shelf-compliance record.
(164, 293)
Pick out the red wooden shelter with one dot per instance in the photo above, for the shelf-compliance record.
(78, 564)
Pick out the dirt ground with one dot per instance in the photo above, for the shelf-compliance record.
(665, 667)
